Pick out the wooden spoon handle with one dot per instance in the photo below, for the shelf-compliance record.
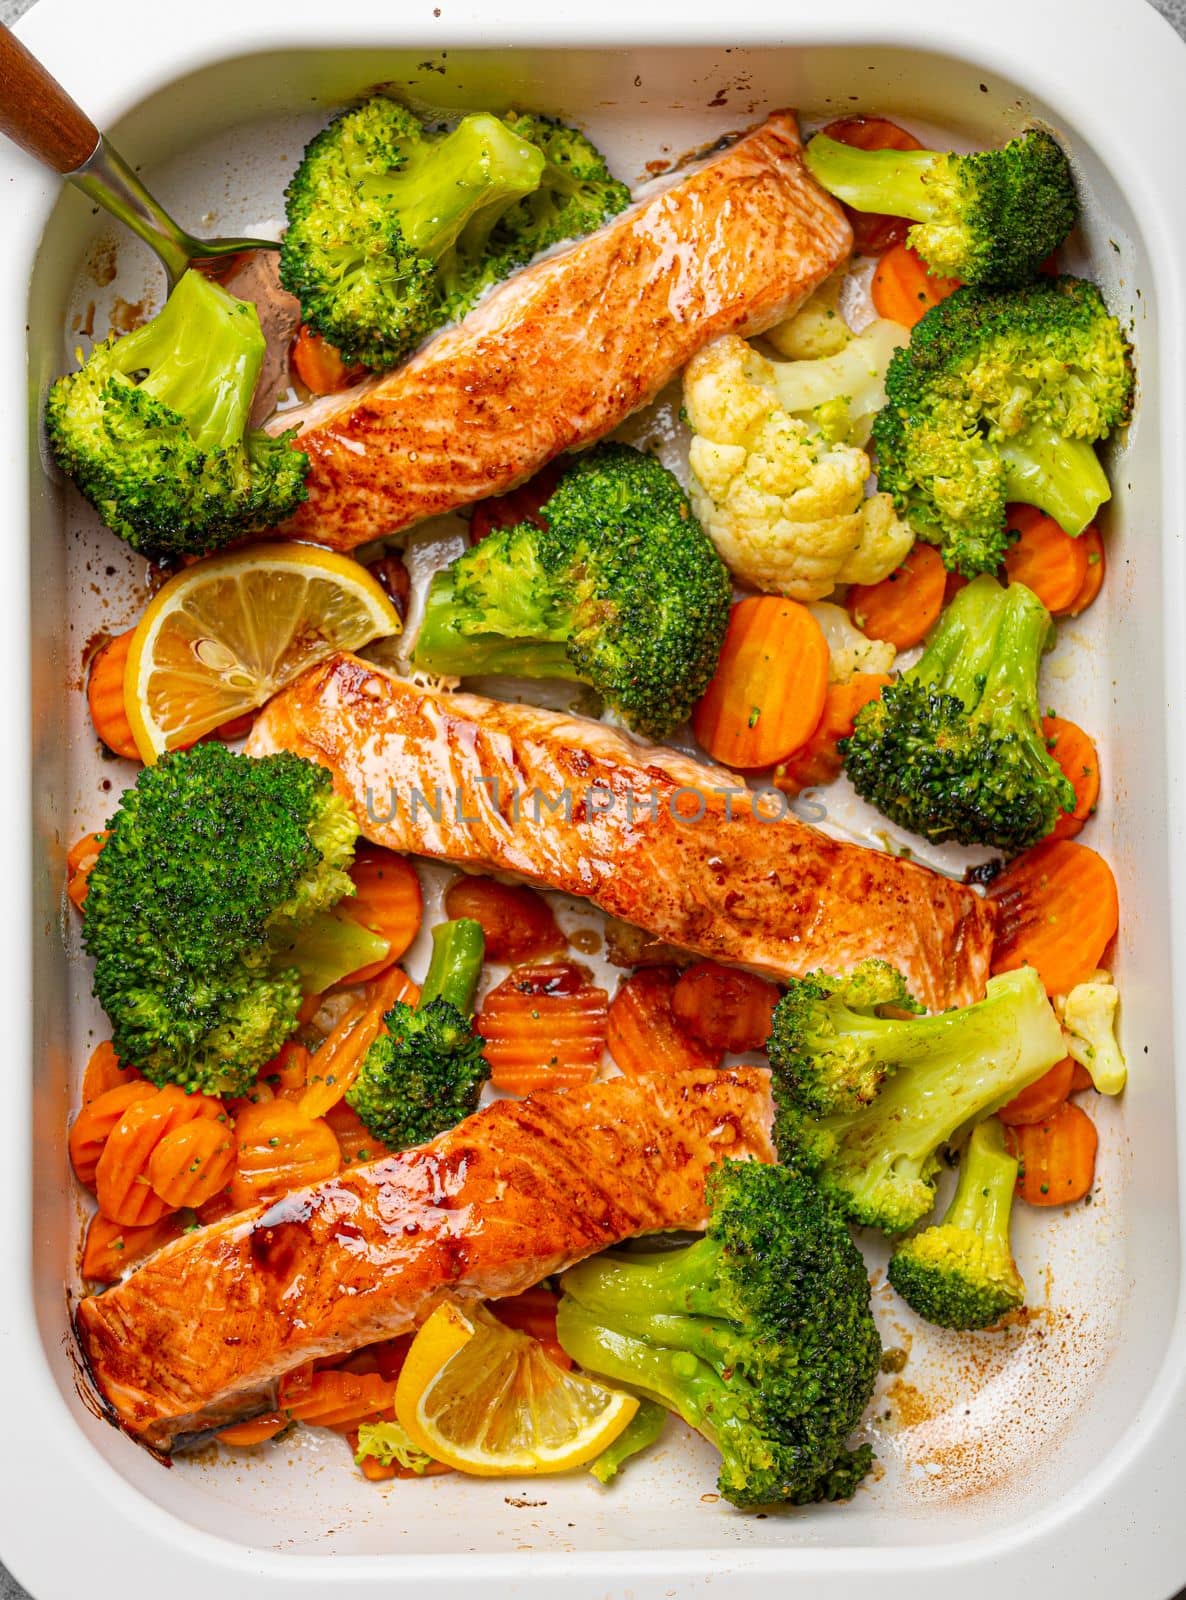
(38, 114)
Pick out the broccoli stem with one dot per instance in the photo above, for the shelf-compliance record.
(983, 1199)
(639, 1434)
(443, 647)
(897, 182)
(987, 648)
(202, 354)
(328, 949)
(1061, 476)
(460, 184)
(458, 950)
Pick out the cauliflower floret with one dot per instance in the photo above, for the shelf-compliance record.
(817, 328)
(1089, 1026)
(849, 650)
(783, 503)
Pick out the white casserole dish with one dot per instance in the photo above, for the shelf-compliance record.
(1055, 1453)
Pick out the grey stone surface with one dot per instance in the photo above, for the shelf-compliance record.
(10, 10)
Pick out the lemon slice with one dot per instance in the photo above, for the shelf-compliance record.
(485, 1399)
(223, 636)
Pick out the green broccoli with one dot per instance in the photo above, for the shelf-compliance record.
(960, 1273)
(999, 396)
(877, 1158)
(638, 1435)
(395, 229)
(989, 218)
(387, 1443)
(153, 429)
(758, 1335)
(622, 590)
(954, 748)
(425, 1073)
(209, 912)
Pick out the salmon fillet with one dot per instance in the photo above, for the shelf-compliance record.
(198, 1336)
(562, 352)
(648, 835)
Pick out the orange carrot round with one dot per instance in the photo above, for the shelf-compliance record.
(1081, 1079)
(387, 900)
(93, 1124)
(258, 1431)
(193, 1162)
(319, 365)
(903, 608)
(280, 1148)
(111, 1249)
(1057, 910)
(544, 1027)
(105, 1071)
(1096, 567)
(723, 1008)
(80, 861)
(903, 288)
(819, 761)
(771, 680)
(517, 923)
(1057, 1157)
(122, 1184)
(1076, 755)
(333, 1067)
(873, 233)
(1045, 559)
(105, 697)
(643, 1034)
(1042, 1098)
(335, 1399)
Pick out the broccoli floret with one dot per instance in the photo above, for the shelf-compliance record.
(758, 1335)
(998, 397)
(387, 1443)
(153, 429)
(878, 1159)
(622, 590)
(638, 1435)
(210, 899)
(954, 749)
(987, 218)
(960, 1273)
(425, 1073)
(395, 229)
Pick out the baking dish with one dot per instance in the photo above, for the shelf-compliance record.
(1055, 1451)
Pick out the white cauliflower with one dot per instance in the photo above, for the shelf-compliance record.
(849, 650)
(778, 475)
(817, 328)
(1089, 1026)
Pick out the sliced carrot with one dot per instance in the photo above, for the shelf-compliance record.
(1057, 1157)
(93, 1124)
(80, 862)
(192, 1163)
(1044, 558)
(771, 680)
(389, 1355)
(355, 1142)
(517, 923)
(643, 1034)
(903, 608)
(544, 1028)
(122, 1184)
(258, 1431)
(387, 900)
(287, 1073)
(1096, 567)
(534, 1312)
(334, 1066)
(216, 1208)
(105, 697)
(280, 1148)
(819, 761)
(723, 1008)
(904, 289)
(1057, 910)
(105, 1071)
(1081, 1079)
(111, 1249)
(1040, 1099)
(520, 505)
(319, 365)
(335, 1399)
(1076, 755)
(873, 233)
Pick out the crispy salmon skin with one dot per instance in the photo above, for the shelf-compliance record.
(198, 1336)
(648, 835)
(562, 352)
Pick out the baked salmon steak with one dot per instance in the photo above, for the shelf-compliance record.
(652, 837)
(562, 352)
(200, 1334)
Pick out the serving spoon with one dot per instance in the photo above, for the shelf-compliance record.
(37, 114)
